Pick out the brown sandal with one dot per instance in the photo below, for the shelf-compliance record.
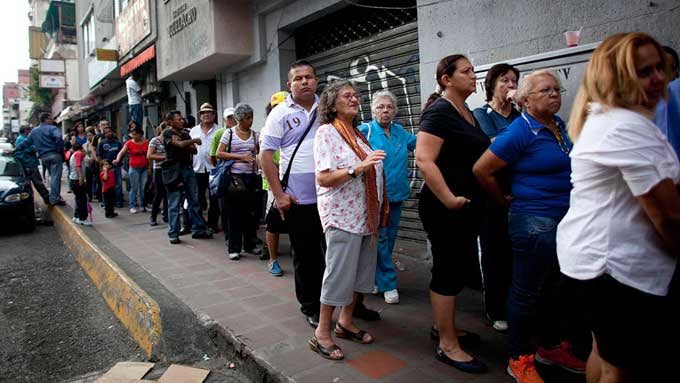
(358, 337)
(325, 352)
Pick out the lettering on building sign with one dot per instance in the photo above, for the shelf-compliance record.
(182, 18)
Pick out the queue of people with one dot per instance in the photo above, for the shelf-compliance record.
(577, 222)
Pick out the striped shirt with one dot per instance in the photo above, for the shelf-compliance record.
(284, 128)
(157, 144)
(239, 146)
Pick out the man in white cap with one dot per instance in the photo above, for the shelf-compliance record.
(205, 130)
(229, 122)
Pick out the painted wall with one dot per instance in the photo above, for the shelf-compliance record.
(490, 31)
(198, 37)
(255, 79)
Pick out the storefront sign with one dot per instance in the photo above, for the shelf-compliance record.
(568, 64)
(182, 18)
(52, 66)
(106, 54)
(133, 25)
(52, 81)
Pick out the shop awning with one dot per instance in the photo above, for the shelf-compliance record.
(137, 61)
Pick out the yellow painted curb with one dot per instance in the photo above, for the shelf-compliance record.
(135, 309)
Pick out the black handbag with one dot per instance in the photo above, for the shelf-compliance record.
(273, 220)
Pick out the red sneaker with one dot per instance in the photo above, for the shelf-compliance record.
(562, 357)
(523, 370)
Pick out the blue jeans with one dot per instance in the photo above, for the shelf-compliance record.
(175, 198)
(118, 172)
(534, 296)
(54, 162)
(385, 273)
(137, 181)
(136, 113)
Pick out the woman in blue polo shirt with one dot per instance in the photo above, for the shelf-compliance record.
(535, 149)
(382, 133)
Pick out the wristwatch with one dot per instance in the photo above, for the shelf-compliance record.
(351, 172)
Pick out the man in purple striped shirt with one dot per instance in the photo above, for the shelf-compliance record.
(284, 128)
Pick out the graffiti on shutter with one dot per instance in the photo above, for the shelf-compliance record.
(385, 61)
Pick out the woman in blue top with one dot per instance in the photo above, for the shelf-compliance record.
(496, 261)
(535, 148)
(382, 133)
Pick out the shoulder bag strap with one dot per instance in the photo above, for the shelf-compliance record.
(286, 175)
(231, 135)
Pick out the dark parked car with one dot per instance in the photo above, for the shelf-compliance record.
(16, 194)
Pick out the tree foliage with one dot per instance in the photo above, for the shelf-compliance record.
(42, 97)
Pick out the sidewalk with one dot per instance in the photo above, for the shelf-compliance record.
(261, 310)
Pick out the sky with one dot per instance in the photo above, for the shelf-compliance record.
(14, 39)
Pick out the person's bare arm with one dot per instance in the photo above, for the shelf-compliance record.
(152, 155)
(485, 169)
(223, 154)
(283, 200)
(120, 155)
(427, 151)
(662, 206)
(331, 178)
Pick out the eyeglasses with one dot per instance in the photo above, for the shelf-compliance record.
(383, 107)
(549, 91)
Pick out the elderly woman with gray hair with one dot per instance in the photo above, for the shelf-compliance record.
(240, 143)
(352, 206)
(386, 135)
(535, 149)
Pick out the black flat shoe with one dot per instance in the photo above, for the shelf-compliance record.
(467, 339)
(473, 366)
(363, 312)
(313, 320)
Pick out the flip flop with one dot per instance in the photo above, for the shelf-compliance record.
(358, 337)
(325, 352)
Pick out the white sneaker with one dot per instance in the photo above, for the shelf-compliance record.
(500, 325)
(81, 222)
(133, 210)
(392, 296)
(234, 256)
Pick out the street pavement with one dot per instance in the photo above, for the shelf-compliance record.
(54, 325)
(262, 313)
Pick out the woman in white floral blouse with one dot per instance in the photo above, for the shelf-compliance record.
(352, 205)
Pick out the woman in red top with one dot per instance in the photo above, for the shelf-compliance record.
(137, 147)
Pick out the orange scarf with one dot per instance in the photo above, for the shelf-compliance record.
(375, 218)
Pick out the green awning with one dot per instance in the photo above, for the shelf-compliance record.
(68, 16)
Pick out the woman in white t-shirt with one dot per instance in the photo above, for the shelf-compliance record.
(618, 243)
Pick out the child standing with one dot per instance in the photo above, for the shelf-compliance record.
(76, 178)
(108, 180)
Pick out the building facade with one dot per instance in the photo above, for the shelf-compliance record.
(226, 52)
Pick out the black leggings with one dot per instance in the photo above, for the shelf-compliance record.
(161, 194)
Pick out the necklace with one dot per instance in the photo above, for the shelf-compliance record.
(560, 139)
(465, 115)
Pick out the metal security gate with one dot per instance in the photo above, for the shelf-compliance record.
(386, 60)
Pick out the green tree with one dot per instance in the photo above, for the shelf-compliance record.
(41, 97)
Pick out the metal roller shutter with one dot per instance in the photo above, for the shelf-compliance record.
(386, 60)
